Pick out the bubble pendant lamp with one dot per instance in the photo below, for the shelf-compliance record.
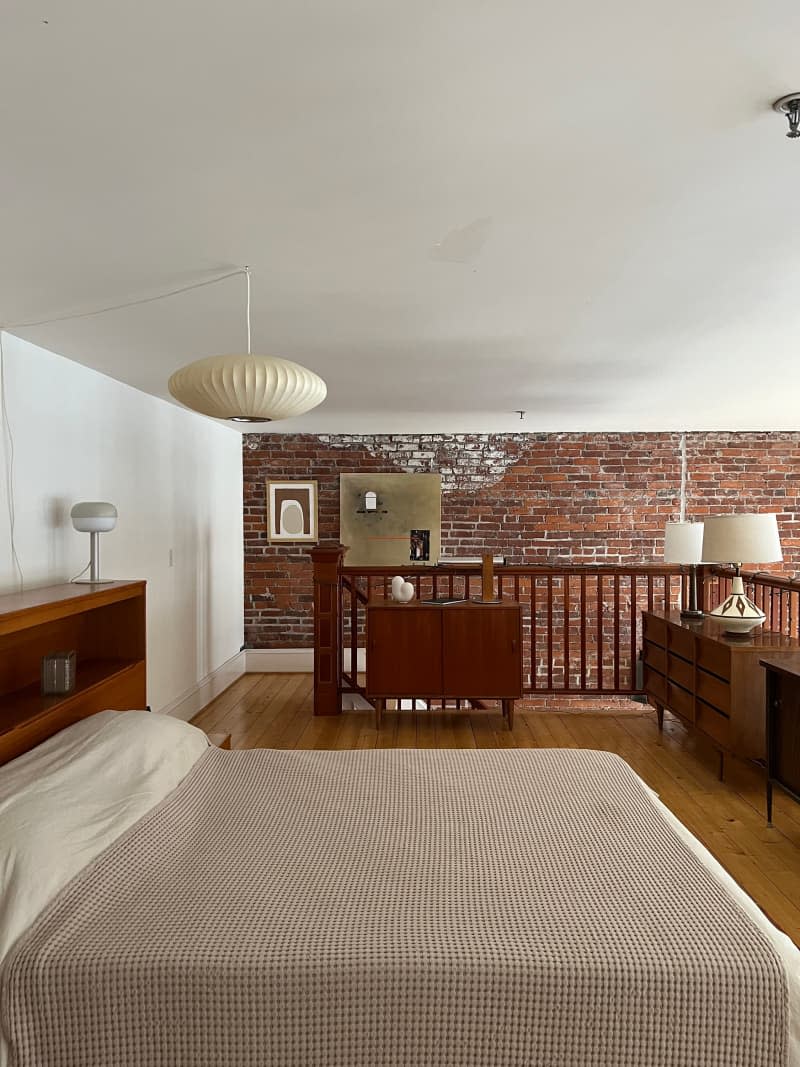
(247, 388)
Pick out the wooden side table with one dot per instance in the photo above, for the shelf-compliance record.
(783, 730)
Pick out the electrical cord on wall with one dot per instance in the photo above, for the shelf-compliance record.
(8, 437)
(8, 456)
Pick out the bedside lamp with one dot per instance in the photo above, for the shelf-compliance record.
(94, 517)
(737, 539)
(683, 543)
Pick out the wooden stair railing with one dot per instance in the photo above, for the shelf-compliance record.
(582, 622)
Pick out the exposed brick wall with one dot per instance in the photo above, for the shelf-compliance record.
(537, 498)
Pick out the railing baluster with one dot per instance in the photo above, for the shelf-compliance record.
(565, 581)
(599, 631)
(634, 617)
(549, 631)
(354, 640)
(534, 651)
(582, 630)
(616, 631)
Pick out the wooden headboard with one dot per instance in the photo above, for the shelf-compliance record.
(103, 623)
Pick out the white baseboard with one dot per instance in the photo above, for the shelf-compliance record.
(291, 660)
(187, 705)
(279, 660)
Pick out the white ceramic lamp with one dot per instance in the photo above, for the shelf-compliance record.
(683, 543)
(739, 539)
(94, 517)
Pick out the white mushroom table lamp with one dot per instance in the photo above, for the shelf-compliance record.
(94, 517)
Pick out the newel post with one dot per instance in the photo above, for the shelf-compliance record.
(327, 560)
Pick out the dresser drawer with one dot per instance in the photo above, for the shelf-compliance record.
(679, 701)
(678, 670)
(681, 642)
(654, 629)
(714, 657)
(655, 684)
(717, 726)
(714, 691)
(655, 657)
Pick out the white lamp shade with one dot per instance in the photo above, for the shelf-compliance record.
(94, 516)
(741, 539)
(247, 388)
(683, 542)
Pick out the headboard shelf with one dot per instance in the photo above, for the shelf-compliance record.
(103, 624)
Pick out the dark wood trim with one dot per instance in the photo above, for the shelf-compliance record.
(327, 561)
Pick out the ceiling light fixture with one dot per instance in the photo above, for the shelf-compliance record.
(789, 106)
(247, 388)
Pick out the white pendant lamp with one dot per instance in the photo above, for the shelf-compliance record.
(247, 388)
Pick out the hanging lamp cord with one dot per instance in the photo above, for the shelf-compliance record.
(137, 303)
(247, 276)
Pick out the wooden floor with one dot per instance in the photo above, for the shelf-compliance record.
(275, 711)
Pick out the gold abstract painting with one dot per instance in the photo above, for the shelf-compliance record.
(389, 520)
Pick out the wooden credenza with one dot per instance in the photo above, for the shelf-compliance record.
(104, 624)
(783, 729)
(467, 650)
(713, 683)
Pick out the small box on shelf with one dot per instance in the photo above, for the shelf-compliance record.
(58, 673)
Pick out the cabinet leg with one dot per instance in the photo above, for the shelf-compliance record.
(769, 803)
(660, 716)
(508, 713)
(378, 712)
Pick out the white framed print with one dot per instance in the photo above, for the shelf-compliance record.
(292, 511)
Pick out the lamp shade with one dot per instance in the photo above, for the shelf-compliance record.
(683, 542)
(741, 539)
(247, 388)
(94, 516)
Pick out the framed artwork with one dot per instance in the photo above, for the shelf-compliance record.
(292, 511)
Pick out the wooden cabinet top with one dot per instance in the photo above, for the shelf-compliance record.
(762, 641)
(782, 668)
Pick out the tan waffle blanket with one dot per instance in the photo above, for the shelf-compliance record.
(361, 909)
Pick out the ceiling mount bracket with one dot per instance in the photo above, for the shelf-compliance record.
(789, 106)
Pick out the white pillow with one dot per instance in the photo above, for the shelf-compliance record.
(66, 800)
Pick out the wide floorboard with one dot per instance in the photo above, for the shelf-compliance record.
(275, 711)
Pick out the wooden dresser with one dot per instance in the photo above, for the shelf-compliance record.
(104, 624)
(468, 650)
(711, 682)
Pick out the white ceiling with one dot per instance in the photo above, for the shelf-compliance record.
(451, 208)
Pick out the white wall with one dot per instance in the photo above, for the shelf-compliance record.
(176, 479)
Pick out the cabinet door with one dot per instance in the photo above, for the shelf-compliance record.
(404, 651)
(784, 740)
(482, 651)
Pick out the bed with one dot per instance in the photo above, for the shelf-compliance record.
(168, 904)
